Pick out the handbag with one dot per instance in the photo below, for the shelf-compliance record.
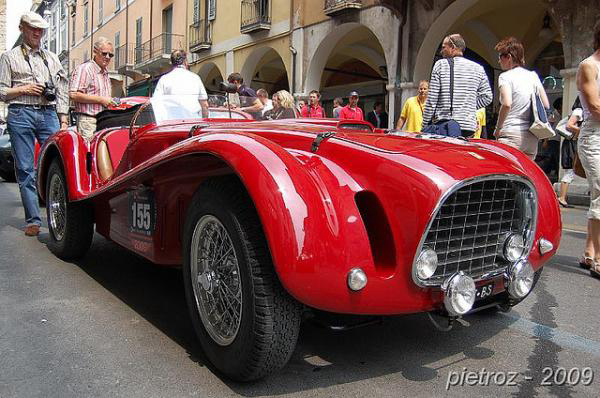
(568, 151)
(578, 167)
(448, 128)
(539, 123)
(561, 129)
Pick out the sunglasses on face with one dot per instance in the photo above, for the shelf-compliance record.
(107, 54)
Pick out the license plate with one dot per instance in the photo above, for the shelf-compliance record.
(484, 291)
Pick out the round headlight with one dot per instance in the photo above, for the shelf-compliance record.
(426, 263)
(514, 248)
(520, 279)
(357, 279)
(459, 294)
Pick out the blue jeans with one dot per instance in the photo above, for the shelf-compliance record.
(25, 124)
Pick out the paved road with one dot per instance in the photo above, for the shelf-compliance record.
(113, 325)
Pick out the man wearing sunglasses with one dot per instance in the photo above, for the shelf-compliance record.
(90, 88)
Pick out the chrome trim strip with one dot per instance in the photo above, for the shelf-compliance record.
(456, 187)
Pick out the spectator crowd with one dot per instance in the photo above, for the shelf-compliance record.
(452, 102)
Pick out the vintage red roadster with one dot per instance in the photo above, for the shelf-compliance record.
(270, 218)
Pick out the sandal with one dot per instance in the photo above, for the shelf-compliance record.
(595, 270)
(565, 204)
(586, 262)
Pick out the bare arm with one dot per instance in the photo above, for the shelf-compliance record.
(257, 106)
(78, 96)
(588, 88)
(204, 106)
(572, 125)
(400, 123)
(506, 101)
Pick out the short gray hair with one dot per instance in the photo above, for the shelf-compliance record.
(457, 41)
(101, 42)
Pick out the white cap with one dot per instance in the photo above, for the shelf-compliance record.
(34, 20)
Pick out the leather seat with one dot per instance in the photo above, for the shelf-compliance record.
(109, 151)
(103, 160)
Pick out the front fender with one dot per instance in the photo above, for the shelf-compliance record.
(312, 225)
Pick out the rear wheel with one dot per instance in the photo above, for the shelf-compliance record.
(246, 323)
(71, 224)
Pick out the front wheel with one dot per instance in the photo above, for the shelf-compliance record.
(246, 323)
(71, 224)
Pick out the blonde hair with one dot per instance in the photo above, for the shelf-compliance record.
(285, 99)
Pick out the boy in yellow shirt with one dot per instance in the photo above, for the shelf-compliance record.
(480, 115)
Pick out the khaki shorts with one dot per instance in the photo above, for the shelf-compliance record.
(86, 126)
(524, 141)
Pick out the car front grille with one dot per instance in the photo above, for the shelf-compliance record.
(472, 223)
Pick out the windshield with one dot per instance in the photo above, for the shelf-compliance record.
(186, 107)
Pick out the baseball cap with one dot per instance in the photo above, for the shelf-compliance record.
(34, 20)
(353, 94)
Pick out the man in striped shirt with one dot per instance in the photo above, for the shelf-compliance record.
(471, 88)
(90, 88)
(34, 85)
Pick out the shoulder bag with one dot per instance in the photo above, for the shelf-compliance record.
(449, 128)
(539, 120)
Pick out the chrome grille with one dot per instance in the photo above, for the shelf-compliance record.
(470, 226)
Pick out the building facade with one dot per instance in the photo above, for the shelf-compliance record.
(380, 48)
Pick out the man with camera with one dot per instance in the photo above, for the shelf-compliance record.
(90, 88)
(34, 85)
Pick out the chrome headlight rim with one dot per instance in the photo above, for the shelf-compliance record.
(520, 279)
(459, 294)
(426, 264)
(514, 248)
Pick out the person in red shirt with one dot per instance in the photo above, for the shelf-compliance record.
(314, 108)
(352, 111)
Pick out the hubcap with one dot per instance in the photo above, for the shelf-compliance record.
(57, 207)
(216, 280)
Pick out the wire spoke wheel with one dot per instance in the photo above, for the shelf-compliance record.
(216, 280)
(57, 207)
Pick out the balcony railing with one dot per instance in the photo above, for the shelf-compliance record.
(124, 56)
(158, 47)
(199, 36)
(256, 15)
(333, 7)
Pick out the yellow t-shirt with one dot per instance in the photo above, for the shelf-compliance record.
(480, 115)
(412, 113)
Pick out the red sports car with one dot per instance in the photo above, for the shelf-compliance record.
(268, 218)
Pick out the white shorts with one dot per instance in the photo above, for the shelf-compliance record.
(568, 176)
(588, 148)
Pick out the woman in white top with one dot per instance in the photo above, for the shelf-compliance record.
(588, 145)
(516, 86)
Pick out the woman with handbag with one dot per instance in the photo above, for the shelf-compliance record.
(517, 85)
(588, 145)
(568, 151)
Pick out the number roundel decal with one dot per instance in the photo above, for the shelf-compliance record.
(142, 211)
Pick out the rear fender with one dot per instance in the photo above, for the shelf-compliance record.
(70, 148)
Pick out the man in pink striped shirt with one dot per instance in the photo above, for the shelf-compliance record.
(90, 88)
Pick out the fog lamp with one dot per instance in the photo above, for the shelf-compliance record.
(459, 294)
(426, 263)
(520, 279)
(357, 279)
(514, 247)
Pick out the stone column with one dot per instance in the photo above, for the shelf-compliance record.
(575, 20)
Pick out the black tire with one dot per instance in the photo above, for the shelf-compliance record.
(8, 176)
(72, 237)
(270, 319)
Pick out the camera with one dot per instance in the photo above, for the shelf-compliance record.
(49, 92)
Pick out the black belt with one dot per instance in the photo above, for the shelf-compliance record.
(32, 106)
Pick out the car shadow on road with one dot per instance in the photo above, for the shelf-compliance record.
(409, 345)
